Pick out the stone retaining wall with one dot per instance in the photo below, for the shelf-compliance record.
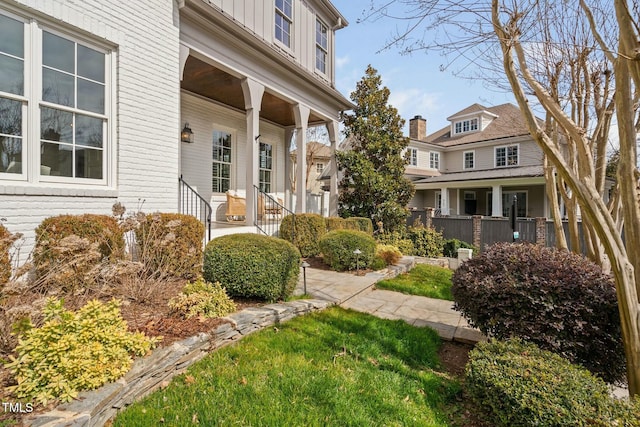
(95, 408)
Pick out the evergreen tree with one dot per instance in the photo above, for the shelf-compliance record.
(373, 185)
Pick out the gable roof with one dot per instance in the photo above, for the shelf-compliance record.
(507, 123)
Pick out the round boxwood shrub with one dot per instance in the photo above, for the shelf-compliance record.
(518, 384)
(304, 231)
(337, 249)
(427, 242)
(359, 223)
(253, 266)
(171, 244)
(556, 299)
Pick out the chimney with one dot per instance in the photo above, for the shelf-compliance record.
(418, 128)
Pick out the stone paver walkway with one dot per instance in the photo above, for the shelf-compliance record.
(357, 293)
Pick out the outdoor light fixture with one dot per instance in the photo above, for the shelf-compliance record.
(304, 265)
(187, 134)
(357, 253)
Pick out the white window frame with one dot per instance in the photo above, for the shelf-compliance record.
(285, 17)
(32, 170)
(465, 126)
(322, 48)
(464, 160)
(506, 156)
(319, 167)
(438, 200)
(262, 184)
(222, 162)
(413, 157)
(434, 160)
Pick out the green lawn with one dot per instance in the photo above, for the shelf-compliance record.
(334, 368)
(424, 280)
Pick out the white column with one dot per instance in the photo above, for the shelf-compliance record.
(444, 201)
(496, 201)
(252, 92)
(289, 168)
(301, 113)
(332, 128)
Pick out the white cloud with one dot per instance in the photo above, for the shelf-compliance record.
(414, 101)
(341, 61)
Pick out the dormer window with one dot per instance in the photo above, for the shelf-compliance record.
(465, 126)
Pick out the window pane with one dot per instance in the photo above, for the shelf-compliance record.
(10, 117)
(57, 157)
(90, 96)
(88, 163)
(11, 75)
(11, 36)
(10, 154)
(90, 64)
(56, 125)
(57, 88)
(88, 131)
(58, 52)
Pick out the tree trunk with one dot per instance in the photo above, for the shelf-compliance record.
(552, 195)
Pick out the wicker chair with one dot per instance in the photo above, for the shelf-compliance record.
(236, 208)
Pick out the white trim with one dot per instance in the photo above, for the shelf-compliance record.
(506, 147)
(438, 159)
(278, 42)
(464, 160)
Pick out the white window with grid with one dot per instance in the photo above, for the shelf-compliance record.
(319, 167)
(506, 156)
(284, 21)
(266, 167)
(469, 159)
(221, 164)
(58, 86)
(434, 160)
(322, 49)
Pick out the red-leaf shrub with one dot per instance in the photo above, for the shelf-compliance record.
(556, 299)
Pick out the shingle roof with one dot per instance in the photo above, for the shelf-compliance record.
(509, 123)
(512, 172)
(319, 150)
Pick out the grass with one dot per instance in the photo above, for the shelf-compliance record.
(424, 280)
(337, 367)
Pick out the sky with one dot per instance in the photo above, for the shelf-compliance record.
(417, 85)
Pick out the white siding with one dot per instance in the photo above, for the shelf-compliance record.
(146, 114)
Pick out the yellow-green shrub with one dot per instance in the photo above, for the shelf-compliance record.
(5, 261)
(304, 231)
(171, 244)
(389, 253)
(359, 223)
(68, 247)
(334, 223)
(74, 351)
(202, 298)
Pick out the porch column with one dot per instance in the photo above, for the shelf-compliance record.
(332, 128)
(301, 113)
(252, 92)
(444, 201)
(496, 201)
(290, 172)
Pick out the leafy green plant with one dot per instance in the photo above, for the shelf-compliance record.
(517, 384)
(337, 249)
(451, 246)
(397, 239)
(304, 231)
(389, 253)
(202, 298)
(556, 299)
(427, 242)
(253, 266)
(74, 351)
(171, 244)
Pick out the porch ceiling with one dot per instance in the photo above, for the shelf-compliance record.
(213, 83)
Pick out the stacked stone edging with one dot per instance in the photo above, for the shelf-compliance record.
(95, 408)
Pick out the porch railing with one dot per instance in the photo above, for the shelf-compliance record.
(269, 212)
(192, 203)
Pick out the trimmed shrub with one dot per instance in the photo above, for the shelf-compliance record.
(337, 249)
(253, 266)
(171, 244)
(69, 247)
(308, 230)
(74, 351)
(202, 298)
(556, 299)
(518, 384)
(389, 253)
(334, 223)
(451, 246)
(6, 241)
(397, 239)
(427, 242)
(378, 263)
(358, 223)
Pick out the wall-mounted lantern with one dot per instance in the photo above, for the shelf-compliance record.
(187, 134)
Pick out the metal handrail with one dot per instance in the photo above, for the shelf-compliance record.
(268, 213)
(192, 203)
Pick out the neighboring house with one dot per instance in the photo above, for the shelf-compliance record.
(478, 163)
(94, 96)
(318, 159)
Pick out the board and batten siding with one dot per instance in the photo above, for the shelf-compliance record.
(204, 117)
(258, 16)
(144, 135)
